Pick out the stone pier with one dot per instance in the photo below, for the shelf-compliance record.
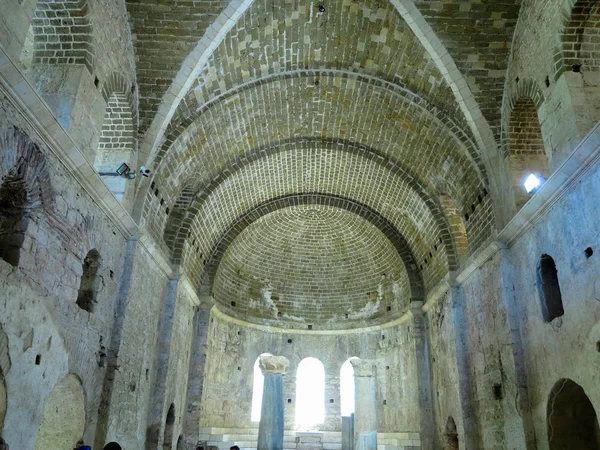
(365, 417)
(270, 429)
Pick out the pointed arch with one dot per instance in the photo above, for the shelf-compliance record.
(169, 426)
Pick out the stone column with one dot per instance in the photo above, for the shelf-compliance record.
(270, 429)
(348, 432)
(466, 384)
(424, 378)
(365, 401)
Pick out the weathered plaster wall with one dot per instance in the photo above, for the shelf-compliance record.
(567, 347)
(444, 368)
(39, 313)
(137, 356)
(179, 357)
(233, 349)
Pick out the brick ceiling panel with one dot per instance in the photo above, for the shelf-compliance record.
(312, 265)
(329, 172)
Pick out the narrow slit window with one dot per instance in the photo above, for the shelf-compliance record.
(549, 289)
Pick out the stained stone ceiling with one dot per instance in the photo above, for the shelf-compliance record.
(337, 107)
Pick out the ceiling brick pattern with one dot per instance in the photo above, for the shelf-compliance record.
(478, 35)
(62, 33)
(312, 265)
(581, 39)
(164, 33)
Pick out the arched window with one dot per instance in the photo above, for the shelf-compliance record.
(526, 151)
(549, 289)
(310, 393)
(451, 435)
(347, 388)
(89, 281)
(572, 420)
(169, 425)
(257, 390)
(13, 220)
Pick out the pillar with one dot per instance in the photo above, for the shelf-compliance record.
(365, 404)
(348, 432)
(466, 384)
(270, 429)
(424, 378)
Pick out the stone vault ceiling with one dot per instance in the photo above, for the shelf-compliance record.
(341, 108)
(312, 265)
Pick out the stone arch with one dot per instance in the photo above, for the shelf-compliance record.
(525, 149)
(178, 224)
(60, 34)
(21, 158)
(388, 229)
(180, 442)
(169, 426)
(90, 281)
(572, 419)
(451, 435)
(549, 289)
(347, 405)
(310, 393)
(117, 142)
(13, 219)
(578, 60)
(64, 415)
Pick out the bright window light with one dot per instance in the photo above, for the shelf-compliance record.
(257, 391)
(347, 388)
(310, 394)
(532, 183)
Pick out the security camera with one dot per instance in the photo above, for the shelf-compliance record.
(145, 171)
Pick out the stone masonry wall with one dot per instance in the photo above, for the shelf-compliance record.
(233, 349)
(49, 336)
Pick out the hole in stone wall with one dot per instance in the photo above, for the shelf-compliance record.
(289, 400)
(279, 314)
(549, 289)
(547, 82)
(289, 341)
(331, 400)
(167, 211)
(382, 337)
(598, 346)
(96, 81)
(89, 281)
(232, 303)
(169, 425)
(239, 333)
(385, 402)
(387, 367)
(451, 435)
(467, 217)
(38, 360)
(389, 308)
(13, 219)
(239, 368)
(588, 252)
(111, 274)
(346, 315)
(498, 392)
(572, 420)
(147, 374)
(577, 68)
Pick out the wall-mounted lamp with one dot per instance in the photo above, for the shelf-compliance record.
(125, 171)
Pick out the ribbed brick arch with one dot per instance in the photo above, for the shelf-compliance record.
(364, 211)
(190, 200)
(194, 111)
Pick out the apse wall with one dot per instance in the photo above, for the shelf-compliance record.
(233, 347)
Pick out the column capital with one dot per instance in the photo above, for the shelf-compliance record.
(364, 367)
(270, 365)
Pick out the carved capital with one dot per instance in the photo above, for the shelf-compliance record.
(364, 367)
(273, 364)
